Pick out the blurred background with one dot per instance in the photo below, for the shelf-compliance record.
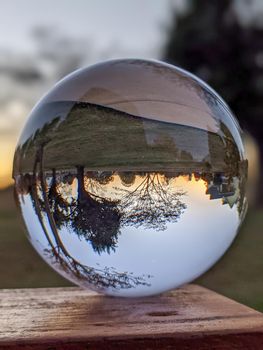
(221, 41)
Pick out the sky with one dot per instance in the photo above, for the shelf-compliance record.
(97, 30)
(130, 22)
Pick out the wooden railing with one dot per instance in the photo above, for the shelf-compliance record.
(191, 317)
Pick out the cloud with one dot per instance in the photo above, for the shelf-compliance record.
(12, 116)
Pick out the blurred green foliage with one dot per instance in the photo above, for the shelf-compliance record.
(210, 39)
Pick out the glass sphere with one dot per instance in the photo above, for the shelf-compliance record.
(130, 175)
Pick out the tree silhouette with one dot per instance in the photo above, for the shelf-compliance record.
(59, 206)
(151, 204)
(101, 177)
(95, 218)
(127, 178)
(57, 252)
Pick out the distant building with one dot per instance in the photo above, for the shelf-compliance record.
(219, 187)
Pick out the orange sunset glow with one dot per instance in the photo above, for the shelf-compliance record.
(6, 155)
(184, 183)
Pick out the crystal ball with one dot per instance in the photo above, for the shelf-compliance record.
(130, 176)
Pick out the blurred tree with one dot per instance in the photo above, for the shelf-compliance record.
(211, 40)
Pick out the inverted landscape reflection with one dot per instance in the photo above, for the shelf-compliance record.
(116, 229)
(132, 197)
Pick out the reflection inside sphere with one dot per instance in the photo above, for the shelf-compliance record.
(125, 203)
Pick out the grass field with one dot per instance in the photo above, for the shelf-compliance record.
(237, 275)
(99, 138)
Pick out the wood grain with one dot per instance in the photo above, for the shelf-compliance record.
(71, 318)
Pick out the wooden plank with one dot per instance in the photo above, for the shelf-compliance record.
(71, 318)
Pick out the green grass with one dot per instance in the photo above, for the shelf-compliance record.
(20, 265)
(238, 275)
(99, 137)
